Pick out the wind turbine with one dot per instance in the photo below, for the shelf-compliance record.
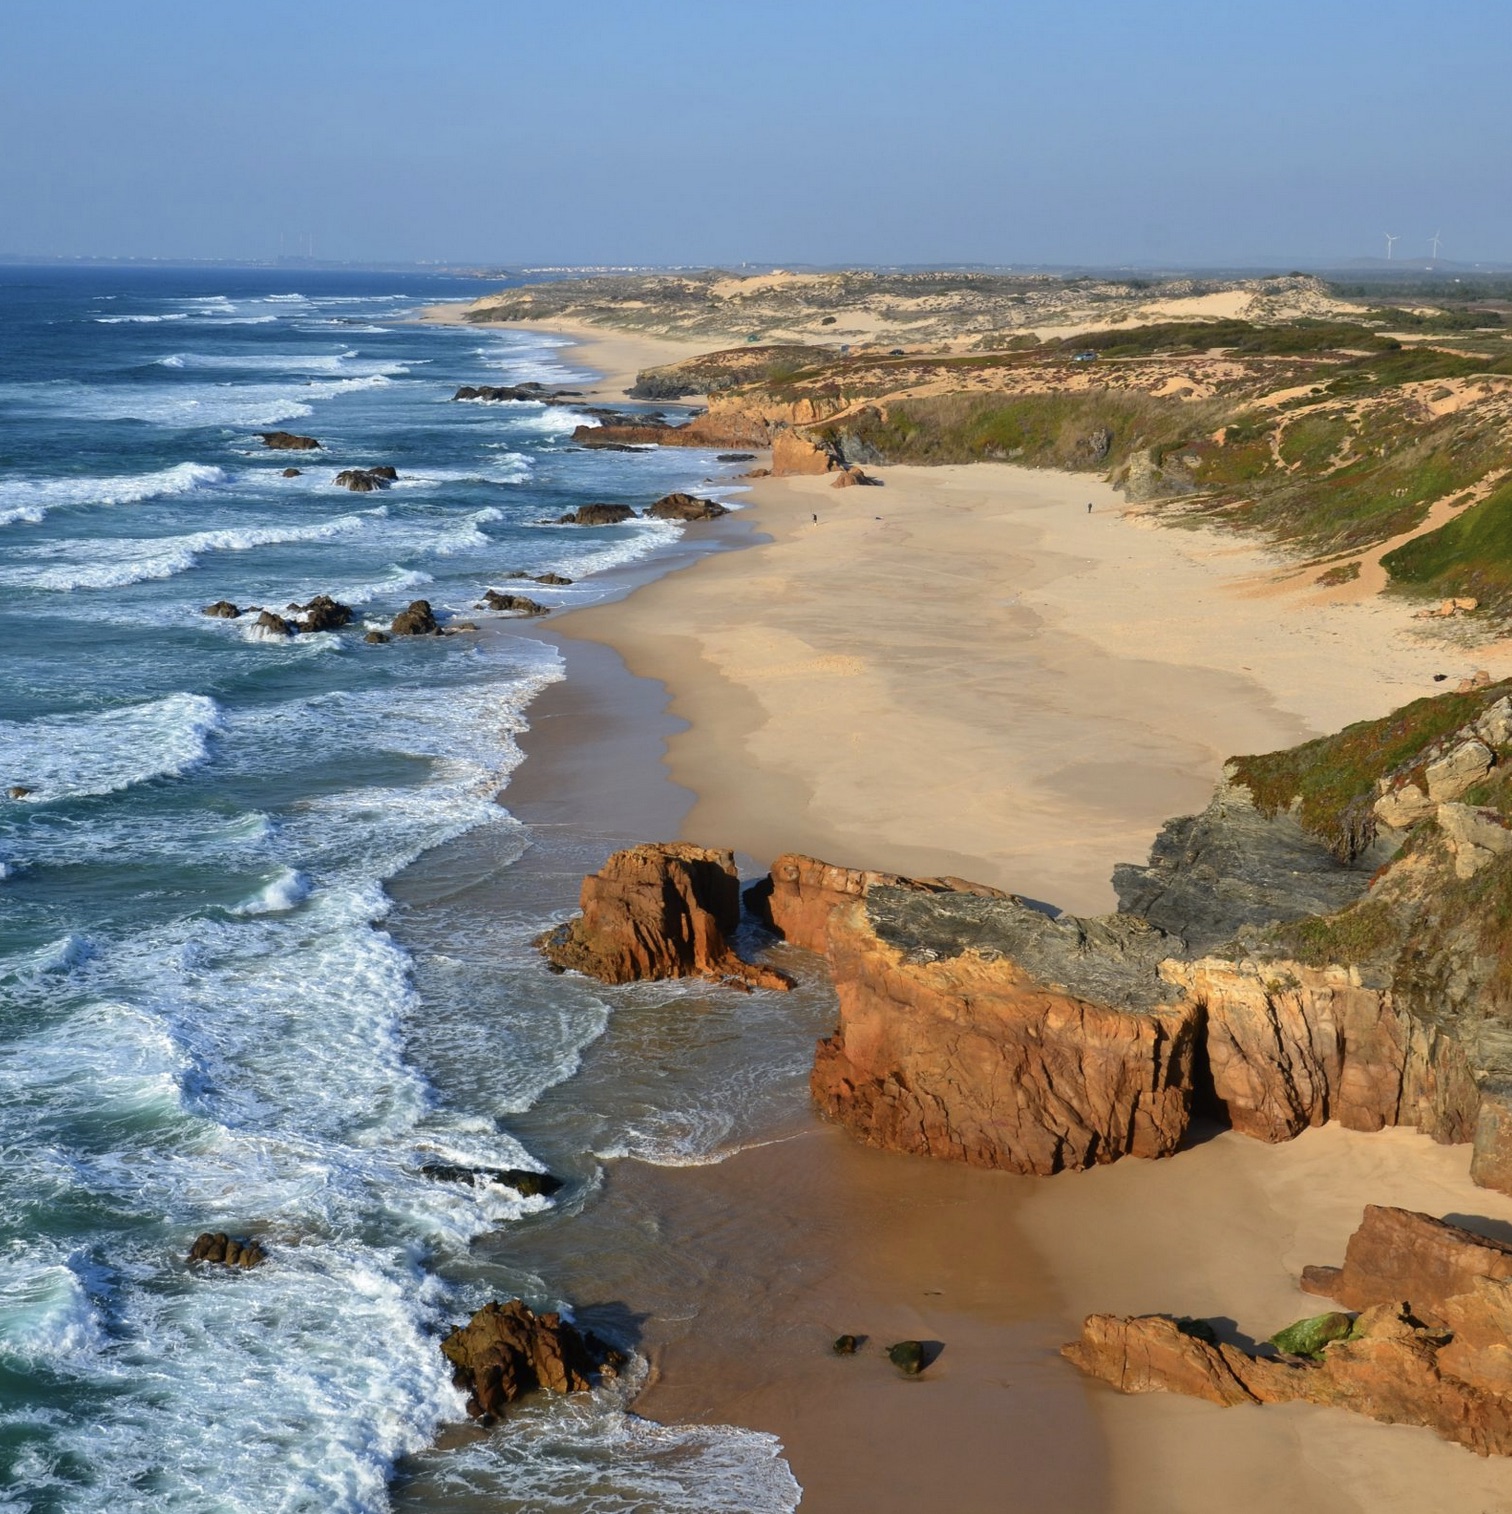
(1390, 238)
(1433, 242)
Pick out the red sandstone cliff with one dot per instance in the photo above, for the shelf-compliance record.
(658, 911)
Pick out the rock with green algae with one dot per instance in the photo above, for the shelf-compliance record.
(1308, 1337)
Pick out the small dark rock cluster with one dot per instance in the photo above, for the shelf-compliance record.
(366, 480)
(287, 441)
(501, 392)
(517, 604)
(226, 1250)
(524, 1182)
(669, 507)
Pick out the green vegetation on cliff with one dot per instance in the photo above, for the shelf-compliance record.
(1333, 780)
(1471, 555)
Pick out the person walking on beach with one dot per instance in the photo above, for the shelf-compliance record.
(1089, 507)
(816, 520)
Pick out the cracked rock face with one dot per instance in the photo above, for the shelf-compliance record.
(1211, 875)
(981, 1030)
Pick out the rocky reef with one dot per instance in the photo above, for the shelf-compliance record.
(1428, 1346)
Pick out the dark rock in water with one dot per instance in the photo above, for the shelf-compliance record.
(275, 624)
(495, 393)
(685, 507)
(324, 614)
(907, 1357)
(18, 791)
(226, 1250)
(458, 626)
(365, 480)
(1212, 874)
(847, 1345)
(517, 604)
(507, 1350)
(736, 457)
(596, 515)
(292, 472)
(610, 446)
(376, 638)
(222, 609)
(417, 620)
(287, 441)
(522, 1180)
(554, 580)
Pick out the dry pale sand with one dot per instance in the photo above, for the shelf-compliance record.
(966, 672)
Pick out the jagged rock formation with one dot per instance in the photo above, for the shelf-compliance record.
(658, 911)
(1429, 1347)
(982, 1030)
(596, 515)
(288, 441)
(685, 507)
(524, 1181)
(226, 1250)
(417, 620)
(1289, 955)
(507, 1350)
(222, 609)
(516, 604)
(366, 480)
(323, 613)
(496, 393)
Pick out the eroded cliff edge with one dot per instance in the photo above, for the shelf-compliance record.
(1327, 940)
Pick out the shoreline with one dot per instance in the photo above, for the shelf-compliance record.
(1038, 1252)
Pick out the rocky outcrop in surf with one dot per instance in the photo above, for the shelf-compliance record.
(506, 1351)
(417, 620)
(366, 480)
(226, 1251)
(596, 515)
(288, 441)
(659, 911)
(684, 507)
(1428, 1346)
(513, 604)
(501, 393)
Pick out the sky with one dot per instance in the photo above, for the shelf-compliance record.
(716, 132)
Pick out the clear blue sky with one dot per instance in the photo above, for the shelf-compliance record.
(710, 131)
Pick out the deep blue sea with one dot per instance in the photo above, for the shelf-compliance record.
(207, 1018)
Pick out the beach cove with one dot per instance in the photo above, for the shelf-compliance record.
(848, 685)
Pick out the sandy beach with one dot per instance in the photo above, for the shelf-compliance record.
(966, 671)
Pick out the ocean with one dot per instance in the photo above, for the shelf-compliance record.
(218, 1008)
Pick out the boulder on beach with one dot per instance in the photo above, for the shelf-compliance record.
(847, 478)
(515, 604)
(506, 1351)
(417, 620)
(226, 1250)
(846, 1345)
(553, 580)
(222, 609)
(685, 507)
(288, 441)
(907, 1357)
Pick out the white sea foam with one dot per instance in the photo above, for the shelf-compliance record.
(202, 404)
(30, 499)
(113, 563)
(290, 888)
(46, 1318)
(69, 756)
(139, 320)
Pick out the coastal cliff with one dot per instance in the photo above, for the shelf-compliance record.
(1326, 941)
